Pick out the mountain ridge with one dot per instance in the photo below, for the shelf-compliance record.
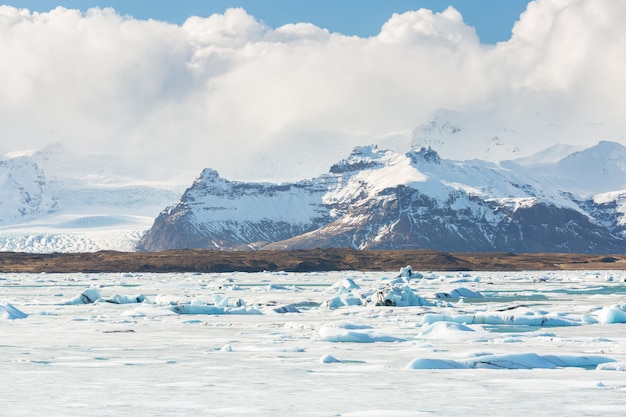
(381, 199)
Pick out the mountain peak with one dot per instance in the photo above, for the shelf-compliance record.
(424, 154)
(361, 157)
(605, 147)
(208, 175)
(602, 153)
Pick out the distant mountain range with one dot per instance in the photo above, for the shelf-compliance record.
(508, 198)
(563, 199)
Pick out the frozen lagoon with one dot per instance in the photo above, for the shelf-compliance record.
(278, 344)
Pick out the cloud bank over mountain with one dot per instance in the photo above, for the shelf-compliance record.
(256, 102)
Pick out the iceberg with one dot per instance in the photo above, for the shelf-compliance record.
(9, 312)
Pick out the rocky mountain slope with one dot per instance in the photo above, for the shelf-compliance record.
(379, 199)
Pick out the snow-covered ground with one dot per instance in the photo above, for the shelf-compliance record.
(319, 344)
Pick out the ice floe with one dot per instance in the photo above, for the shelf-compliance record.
(125, 299)
(451, 331)
(612, 314)
(329, 359)
(461, 292)
(523, 318)
(612, 366)
(220, 305)
(9, 312)
(88, 296)
(512, 361)
(93, 295)
(396, 295)
(386, 294)
(346, 332)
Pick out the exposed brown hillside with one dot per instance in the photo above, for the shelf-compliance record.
(300, 261)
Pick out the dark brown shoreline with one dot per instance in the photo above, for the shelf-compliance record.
(301, 261)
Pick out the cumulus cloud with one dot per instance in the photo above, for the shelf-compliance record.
(255, 102)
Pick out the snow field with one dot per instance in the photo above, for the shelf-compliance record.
(271, 344)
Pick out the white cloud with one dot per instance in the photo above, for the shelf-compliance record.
(231, 93)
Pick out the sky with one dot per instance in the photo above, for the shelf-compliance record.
(493, 20)
(280, 90)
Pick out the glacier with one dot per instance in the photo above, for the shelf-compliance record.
(56, 200)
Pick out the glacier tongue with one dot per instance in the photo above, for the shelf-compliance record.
(53, 200)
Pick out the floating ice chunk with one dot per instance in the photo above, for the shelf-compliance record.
(288, 308)
(168, 299)
(280, 348)
(425, 363)
(459, 293)
(532, 360)
(454, 318)
(589, 319)
(9, 312)
(343, 300)
(612, 315)
(344, 286)
(89, 296)
(510, 361)
(146, 310)
(515, 361)
(344, 324)
(273, 287)
(407, 272)
(201, 308)
(536, 320)
(522, 318)
(125, 299)
(612, 366)
(345, 335)
(329, 359)
(449, 331)
(195, 309)
(574, 361)
(396, 295)
(220, 301)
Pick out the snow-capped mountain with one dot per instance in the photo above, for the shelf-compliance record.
(498, 134)
(53, 200)
(23, 190)
(379, 199)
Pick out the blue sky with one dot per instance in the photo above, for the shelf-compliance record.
(492, 19)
